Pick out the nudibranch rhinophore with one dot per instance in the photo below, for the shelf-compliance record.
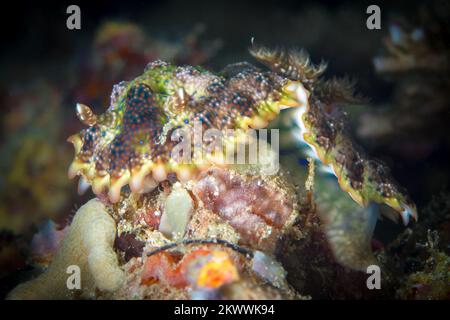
(128, 143)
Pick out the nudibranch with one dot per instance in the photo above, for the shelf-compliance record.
(128, 143)
(323, 129)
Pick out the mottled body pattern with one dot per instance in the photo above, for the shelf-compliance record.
(323, 129)
(130, 144)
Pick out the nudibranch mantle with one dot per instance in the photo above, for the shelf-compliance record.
(323, 128)
(128, 143)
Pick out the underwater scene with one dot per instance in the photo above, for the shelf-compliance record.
(225, 150)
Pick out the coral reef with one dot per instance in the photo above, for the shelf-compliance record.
(162, 229)
(121, 49)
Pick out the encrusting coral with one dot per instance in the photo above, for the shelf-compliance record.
(34, 152)
(432, 275)
(87, 245)
(121, 49)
